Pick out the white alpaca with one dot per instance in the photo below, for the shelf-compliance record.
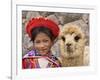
(72, 44)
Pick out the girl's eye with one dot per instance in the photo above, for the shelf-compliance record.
(45, 41)
(37, 42)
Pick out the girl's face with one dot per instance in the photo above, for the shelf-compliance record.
(42, 43)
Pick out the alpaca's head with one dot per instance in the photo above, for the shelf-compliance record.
(72, 40)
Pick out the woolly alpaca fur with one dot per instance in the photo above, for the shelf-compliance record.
(72, 43)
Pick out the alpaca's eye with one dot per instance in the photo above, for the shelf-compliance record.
(63, 38)
(77, 38)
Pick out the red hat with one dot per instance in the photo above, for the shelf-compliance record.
(37, 22)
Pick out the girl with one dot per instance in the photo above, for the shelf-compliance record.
(43, 33)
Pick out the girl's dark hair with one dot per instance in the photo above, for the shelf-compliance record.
(42, 29)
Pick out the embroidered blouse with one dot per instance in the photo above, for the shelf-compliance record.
(34, 60)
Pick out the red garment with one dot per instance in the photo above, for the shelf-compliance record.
(33, 62)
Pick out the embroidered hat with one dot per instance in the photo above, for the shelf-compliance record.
(37, 22)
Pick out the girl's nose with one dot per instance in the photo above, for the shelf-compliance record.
(41, 45)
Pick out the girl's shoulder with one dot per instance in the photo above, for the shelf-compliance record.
(30, 53)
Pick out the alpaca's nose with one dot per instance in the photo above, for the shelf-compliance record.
(68, 44)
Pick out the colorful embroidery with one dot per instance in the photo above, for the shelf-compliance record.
(32, 60)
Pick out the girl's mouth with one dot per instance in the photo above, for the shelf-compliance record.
(43, 50)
